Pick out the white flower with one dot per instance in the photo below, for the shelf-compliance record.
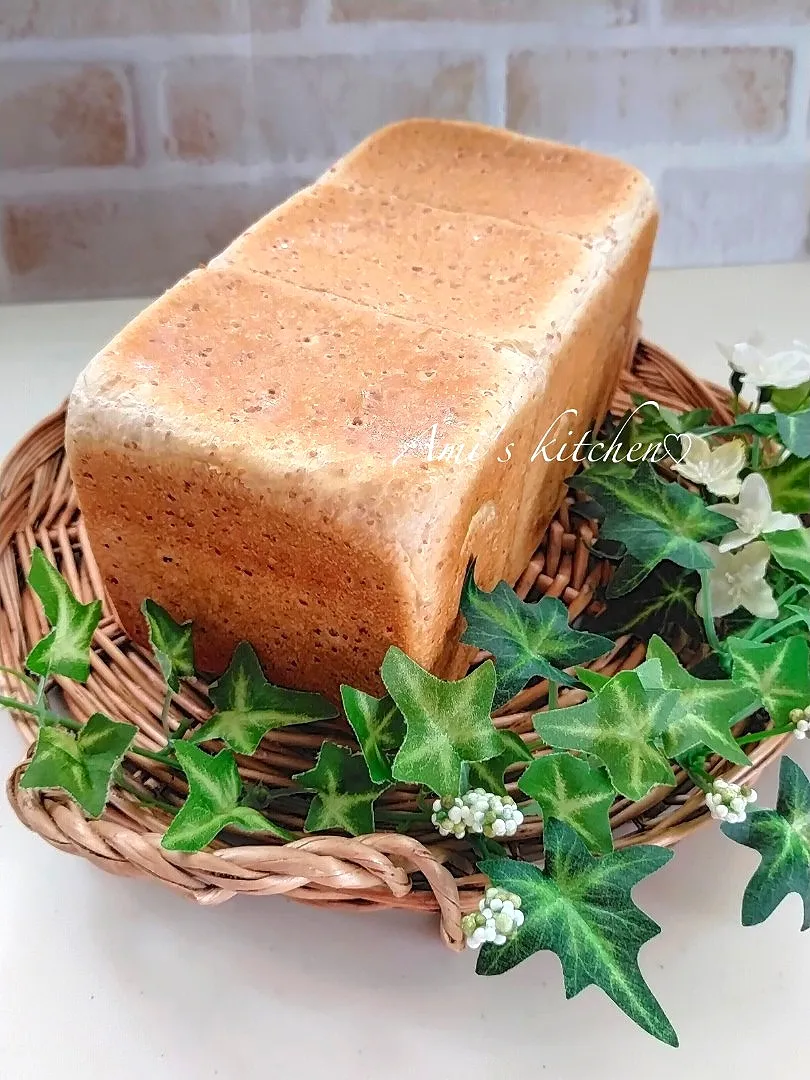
(738, 580)
(728, 802)
(782, 370)
(718, 470)
(477, 811)
(753, 513)
(497, 920)
(800, 718)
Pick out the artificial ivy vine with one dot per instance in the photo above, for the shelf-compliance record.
(709, 544)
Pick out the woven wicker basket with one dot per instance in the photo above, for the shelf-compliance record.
(386, 869)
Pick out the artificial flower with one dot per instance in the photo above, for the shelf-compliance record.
(737, 579)
(718, 470)
(800, 718)
(728, 802)
(782, 370)
(477, 811)
(497, 920)
(754, 514)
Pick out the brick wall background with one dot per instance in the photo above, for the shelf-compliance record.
(138, 136)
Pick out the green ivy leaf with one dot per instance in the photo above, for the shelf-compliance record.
(489, 774)
(82, 764)
(66, 649)
(379, 727)
(527, 641)
(791, 400)
(580, 907)
(778, 673)
(172, 643)
(571, 790)
(214, 790)
(705, 710)
(782, 837)
(654, 520)
(248, 706)
(794, 429)
(791, 549)
(344, 790)
(617, 725)
(664, 602)
(789, 485)
(447, 723)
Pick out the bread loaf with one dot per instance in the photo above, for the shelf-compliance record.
(305, 443)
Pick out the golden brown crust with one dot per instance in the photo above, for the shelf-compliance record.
(265, 408)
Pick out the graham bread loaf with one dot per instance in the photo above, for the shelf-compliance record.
(306, 442)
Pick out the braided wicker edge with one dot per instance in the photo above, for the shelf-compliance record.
(37, 506)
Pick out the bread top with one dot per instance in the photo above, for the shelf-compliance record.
(454, 271)
(471, 168)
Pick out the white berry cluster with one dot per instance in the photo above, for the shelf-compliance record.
(497, 920)
(800, 718)
(477, 811)
(728, 802)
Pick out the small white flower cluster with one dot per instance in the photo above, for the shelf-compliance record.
(497, 920)
(728, 802)
(477, 811)
(800, 718)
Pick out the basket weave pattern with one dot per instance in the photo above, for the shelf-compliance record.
(420, 871)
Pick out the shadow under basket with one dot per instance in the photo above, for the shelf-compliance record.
(420, 871)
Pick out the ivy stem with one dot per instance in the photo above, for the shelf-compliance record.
(758, 625)
(29, 682)
(552, 695)
(756, 451)
(183, 727)
(759, 736)
(708, 617)
(146, 800)
(769, 632)
(48, 717)
(164, 713)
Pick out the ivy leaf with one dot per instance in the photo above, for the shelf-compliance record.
(527, 640)
(172, 643)
(791, 549)
(617, 725)
(344, 790)
(66, 649)
(663, 602)
(782, 837)
(789, 485)
(705, 710)
(778, 673)
(447, 723)
(379, 727)
(794, 429)
(82, 764)
(571, 790)
(214, 790)
(580, 907)
(489, 774)
(791, 400)
(654, 520)
(759, 423)
(248, 706)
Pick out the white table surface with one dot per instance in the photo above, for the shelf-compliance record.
(107, 978)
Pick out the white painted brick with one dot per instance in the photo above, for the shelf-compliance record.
(681, 95)
(711, 217)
